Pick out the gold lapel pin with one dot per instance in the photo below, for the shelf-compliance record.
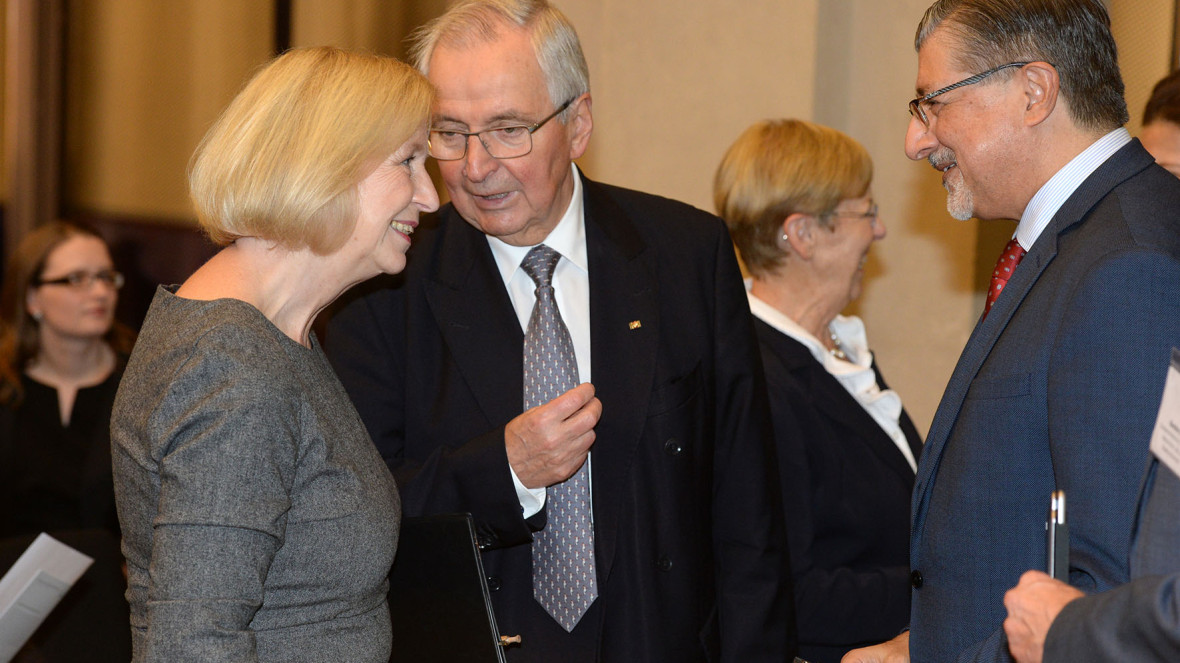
(634, 324)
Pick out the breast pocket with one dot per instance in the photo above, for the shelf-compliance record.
(675, 393)
(1012, 385)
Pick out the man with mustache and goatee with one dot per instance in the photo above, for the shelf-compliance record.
(1020, 107)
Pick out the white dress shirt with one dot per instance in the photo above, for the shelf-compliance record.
(571, 289)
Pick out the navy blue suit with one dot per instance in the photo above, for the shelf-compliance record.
(1057, 388)
(691, 554)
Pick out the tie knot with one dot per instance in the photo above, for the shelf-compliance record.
(1005, 266)
(539, 264)
(1010, 258)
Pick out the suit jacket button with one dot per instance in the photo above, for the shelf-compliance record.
(664, 563)
(494, 583)
(916, 579)
(672, 447)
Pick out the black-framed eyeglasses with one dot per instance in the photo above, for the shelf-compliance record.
(501, 142)
(916, 109)
(82, 279)
(870, 213)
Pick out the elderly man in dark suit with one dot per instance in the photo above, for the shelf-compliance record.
(631, 520)
(1020, 107)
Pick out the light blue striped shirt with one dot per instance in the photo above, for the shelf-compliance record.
(1060, 187)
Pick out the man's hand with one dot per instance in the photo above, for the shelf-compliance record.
(896, 650)
(548, 443)
(1032, 606)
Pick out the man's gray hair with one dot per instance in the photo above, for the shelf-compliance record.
(1072, 35)
(555, 42)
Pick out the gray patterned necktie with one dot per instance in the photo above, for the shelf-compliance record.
(564, 581)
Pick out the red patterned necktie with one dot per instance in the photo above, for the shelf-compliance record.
(1005, 266)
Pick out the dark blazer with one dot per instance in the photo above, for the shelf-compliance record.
(690, 549)
(846, 497)
(1139, 621)
(1058, 388)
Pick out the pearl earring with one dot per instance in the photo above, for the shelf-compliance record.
(786, 237)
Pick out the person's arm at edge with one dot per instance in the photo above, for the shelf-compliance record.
(755, 600)
(1138, 621)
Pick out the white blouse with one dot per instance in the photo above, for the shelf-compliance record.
(854, 372)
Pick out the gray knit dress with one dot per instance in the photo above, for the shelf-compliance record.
(259, 522)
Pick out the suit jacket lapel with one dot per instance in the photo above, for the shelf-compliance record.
(1128, 161)
(475, 316)
(623, 290)
(841, 407)
(979, 345)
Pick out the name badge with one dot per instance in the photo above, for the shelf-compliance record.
(1165, 439)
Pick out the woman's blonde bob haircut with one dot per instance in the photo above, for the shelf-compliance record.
(777, 168)
(283, 161)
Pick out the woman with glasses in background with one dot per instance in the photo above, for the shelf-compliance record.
(61, 356)
(796, 198)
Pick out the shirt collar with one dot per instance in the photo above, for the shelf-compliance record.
(779, 321)
(1044, 205)
(568, 237)
(849, 329)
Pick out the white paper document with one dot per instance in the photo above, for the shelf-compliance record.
(1165, 439)
(32, 587)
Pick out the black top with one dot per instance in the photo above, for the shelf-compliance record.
(55, 477)
(846, 497)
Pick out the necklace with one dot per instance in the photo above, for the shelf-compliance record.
(836, 351)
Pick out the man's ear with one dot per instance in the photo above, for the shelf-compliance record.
(1041, 86)
(798, 232)
(580, 125)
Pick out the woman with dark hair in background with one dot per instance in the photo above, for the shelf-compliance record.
(61, 356)
(1161, 123)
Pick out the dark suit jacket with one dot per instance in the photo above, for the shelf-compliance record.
(1058, 387)
(846, 497)
(690, 549)
(1139, 621)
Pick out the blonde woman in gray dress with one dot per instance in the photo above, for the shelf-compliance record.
(259, 521)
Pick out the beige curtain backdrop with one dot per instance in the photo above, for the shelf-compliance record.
(674, 83)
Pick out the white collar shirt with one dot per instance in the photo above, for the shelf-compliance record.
(571, 288)
(1044, 205)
